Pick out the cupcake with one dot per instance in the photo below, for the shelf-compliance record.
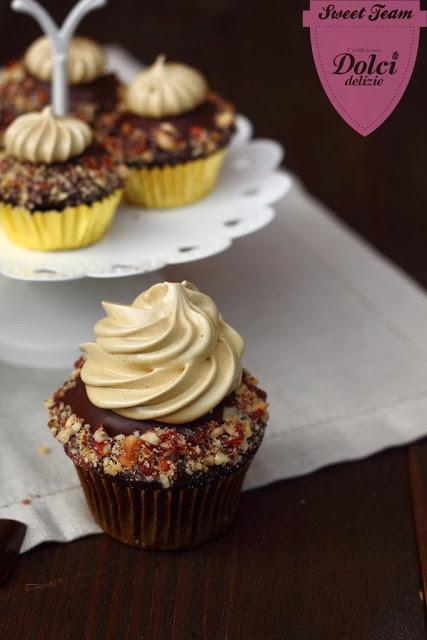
(172, 133)
(160, 419)
(25, 85)
(57, 189)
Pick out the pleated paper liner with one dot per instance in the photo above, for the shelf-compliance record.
(174, 186)
(163, 519)
(72, 228)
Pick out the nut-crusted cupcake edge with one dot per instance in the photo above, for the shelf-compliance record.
(20, 92)
(90, 177)
(157, 142)
(164, 455)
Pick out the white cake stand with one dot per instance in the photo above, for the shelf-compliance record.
(49, 302)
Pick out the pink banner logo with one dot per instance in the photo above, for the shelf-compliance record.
(365, 54)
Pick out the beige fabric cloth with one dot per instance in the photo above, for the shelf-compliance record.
(334, 333)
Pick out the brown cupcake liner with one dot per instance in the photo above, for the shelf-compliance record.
(163, 519)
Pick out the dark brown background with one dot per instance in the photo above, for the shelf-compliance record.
(330, 556)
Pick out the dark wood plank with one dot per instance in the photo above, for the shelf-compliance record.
(328, 556)
(418, 475)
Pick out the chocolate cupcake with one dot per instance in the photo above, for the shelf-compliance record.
(160, 419)
(25, 85)
(172, 133)
(57, 189)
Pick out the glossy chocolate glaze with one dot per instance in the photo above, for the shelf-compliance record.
(22, 94)
(203, 118)
(103, 91)
(114, 424)
(30, 94)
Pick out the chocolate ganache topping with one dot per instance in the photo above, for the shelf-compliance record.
(114, 424)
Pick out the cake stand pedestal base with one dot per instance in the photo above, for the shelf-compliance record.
(43, 323)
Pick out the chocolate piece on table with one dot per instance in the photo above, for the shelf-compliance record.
(12, 534)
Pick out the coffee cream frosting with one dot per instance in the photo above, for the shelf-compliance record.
(168, 357)
(166, 89)
(45, 138)
(86, 60)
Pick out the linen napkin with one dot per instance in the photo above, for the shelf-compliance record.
(334, 332)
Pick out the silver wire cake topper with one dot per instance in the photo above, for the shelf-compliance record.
(60, 38)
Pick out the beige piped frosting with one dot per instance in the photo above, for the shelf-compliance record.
(168, 357)
(86, 60)
(42, 137)
(166, 89)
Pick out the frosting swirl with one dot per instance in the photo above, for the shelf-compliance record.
(86, 60)
(168, 357)
(166, 89)
(42, 137)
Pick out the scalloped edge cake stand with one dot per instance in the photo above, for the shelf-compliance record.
(49, 302)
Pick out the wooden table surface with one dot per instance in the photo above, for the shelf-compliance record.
(339, 554)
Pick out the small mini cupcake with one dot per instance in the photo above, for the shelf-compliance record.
(172, 134)
(160, 419)
(57, 190)
(25, 85)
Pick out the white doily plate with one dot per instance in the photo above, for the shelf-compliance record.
(68, 286)
(141, 241)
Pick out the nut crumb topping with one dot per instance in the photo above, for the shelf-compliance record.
(40, 187)
(43, 450)
(164, 454)
(20, 92)
(138, 141)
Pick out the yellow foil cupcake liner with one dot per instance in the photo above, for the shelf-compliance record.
(72, 228)
(174, 186)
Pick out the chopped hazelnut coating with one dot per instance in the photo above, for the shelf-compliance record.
(163, 454)
(42, 187)
(141, 141)
(20, 92)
